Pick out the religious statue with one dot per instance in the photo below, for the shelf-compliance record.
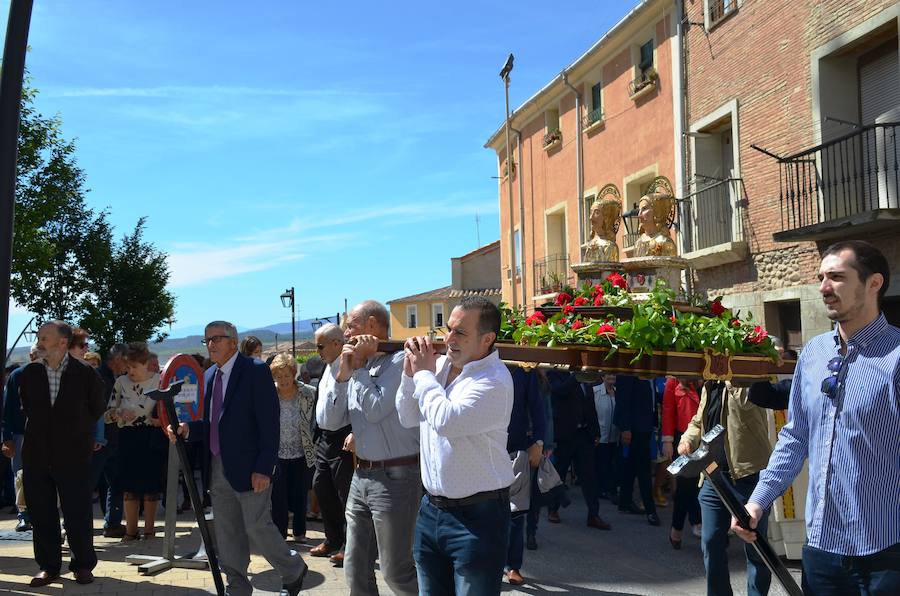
(606, 212)
(656, 212)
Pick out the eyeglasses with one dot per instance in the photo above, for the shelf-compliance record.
(211, 340)
(320, 346)
(830, 383)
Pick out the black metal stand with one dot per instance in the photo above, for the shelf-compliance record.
(167, 397)
(705, 459)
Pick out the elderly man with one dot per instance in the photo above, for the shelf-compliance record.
(334, 464)
(62, 398)
(240, 427)
(461, 404)
(845, 418)
(381, 506)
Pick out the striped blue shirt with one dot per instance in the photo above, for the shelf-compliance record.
(852, 442)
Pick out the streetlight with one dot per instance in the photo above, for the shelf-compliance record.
(504, 74)
(317, 323)
(287, 300)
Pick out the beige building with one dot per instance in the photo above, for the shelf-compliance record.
(474, 274)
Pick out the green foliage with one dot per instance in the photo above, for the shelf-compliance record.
(130, 302)
(65, 263)
(655, 324)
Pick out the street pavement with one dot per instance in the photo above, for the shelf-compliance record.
(633, 558)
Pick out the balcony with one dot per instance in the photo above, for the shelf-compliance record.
(593, 120)
(643, 85)
(712, 222)
(849, 186)
(552, 139)
(551, 273)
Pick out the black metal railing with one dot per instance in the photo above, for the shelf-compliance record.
(719, 9)
(713, 213)
(852, 174)
(551, 273)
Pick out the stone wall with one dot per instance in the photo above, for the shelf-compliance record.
(761, 272)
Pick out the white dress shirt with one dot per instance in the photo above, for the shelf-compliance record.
(606, 406)
(462, 427)
(331, 413)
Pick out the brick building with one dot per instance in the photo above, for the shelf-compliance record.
(787, 149)
(606, 118)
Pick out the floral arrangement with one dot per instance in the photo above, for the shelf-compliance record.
(654, 325)
(552, 136)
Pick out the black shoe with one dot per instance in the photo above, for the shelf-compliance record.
(531, 543)
(631, 508)
(653, 519)
(23, 526)
(293, 588)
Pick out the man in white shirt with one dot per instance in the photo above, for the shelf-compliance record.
(334, 465)
(605, 450)
(461, 403)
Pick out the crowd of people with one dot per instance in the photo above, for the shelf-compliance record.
(438, 467)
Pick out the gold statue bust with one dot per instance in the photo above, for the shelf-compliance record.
(655, 212)
(606, 212)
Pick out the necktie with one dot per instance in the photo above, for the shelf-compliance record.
(218, 400)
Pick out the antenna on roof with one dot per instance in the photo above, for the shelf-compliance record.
(477, 230)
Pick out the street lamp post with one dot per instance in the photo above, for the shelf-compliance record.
(504, 74)
(287, 300)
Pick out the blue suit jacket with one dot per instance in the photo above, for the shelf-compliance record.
(249, 428)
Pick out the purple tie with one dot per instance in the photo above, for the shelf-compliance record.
(218, 401)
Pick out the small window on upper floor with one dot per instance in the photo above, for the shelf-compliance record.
(551, 121)
(646, 62)
(717, 10)
(412, 316)
(596, 109)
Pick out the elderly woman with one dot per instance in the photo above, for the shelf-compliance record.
(142, 445)
(296, 451)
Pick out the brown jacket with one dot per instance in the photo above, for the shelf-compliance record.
(747, 445)
(62, 434)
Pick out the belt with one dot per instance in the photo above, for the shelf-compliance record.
(364, 464)
(489, 495)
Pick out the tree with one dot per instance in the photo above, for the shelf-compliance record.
(54, 229)
(130, 302)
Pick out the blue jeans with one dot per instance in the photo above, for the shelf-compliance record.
(113, 516)
(827, 574)
(516, 550)
(716, 522)
(461, 550)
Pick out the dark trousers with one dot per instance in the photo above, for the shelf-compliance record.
(828, 574)
(461, 550)
(110, 499)
(579, 450)
(534, 511)
(292, 483)
(714, 541)
(636, 465)
(515, 551)
(686, 502)
(334, 471)
(605, 468)
(42, 486)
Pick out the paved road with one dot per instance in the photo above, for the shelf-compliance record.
(632, 559)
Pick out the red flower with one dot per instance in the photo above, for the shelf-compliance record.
(598, 299)
(617, 281)
(606, 329)
(563, 298)
(673, 319)
(716, 308)
(537, 318)
(757, 336)
(598, 290)
(735, 323)
(568, 309)
(577, 324)
(580, 301)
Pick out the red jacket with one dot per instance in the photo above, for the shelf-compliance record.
(680, 403)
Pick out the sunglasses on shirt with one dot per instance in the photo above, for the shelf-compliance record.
(830, 383)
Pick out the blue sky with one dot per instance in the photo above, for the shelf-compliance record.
(336, 148)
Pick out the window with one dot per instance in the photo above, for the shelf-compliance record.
(437, 315)
(596, 113)
(412, 316)
(717, 10)
(646, 62)
(551, 121)
(518, 247)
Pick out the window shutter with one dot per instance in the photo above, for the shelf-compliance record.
(595, 97)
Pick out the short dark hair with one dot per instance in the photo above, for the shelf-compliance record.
(488, 313)
(138, 352)
(249, 345)
(866, 260)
